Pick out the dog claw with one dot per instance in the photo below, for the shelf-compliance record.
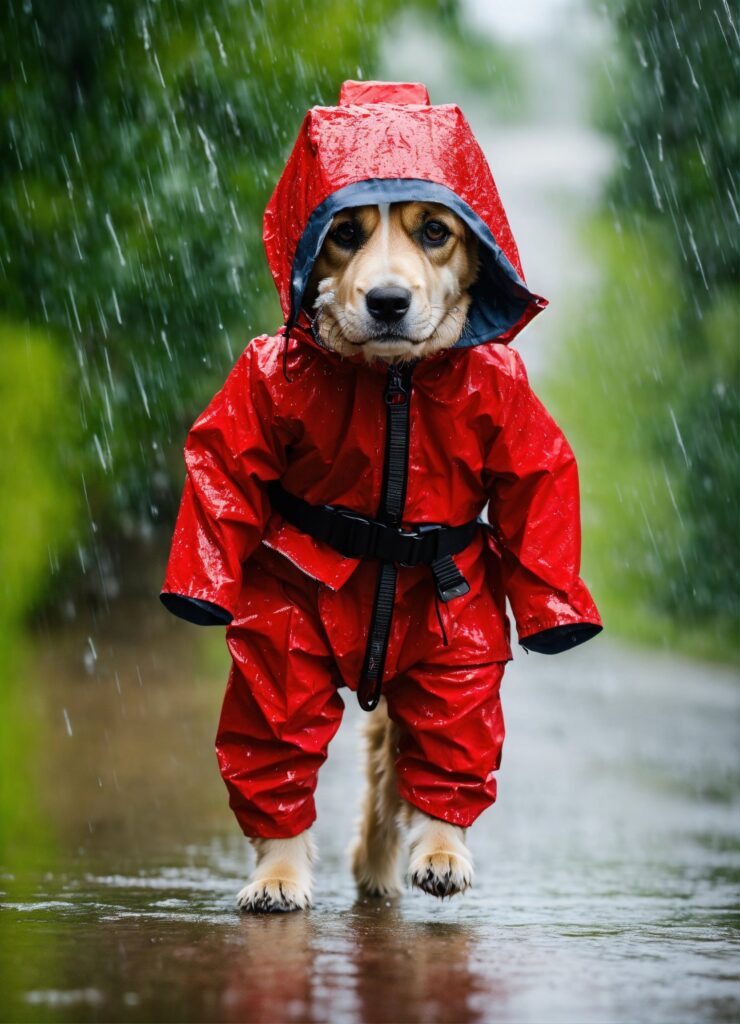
(440, 881)
(271, 898)
(436, 885)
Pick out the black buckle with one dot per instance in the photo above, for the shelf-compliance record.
(448, 579)
(357, 536)
(457, 590)
(425, 544)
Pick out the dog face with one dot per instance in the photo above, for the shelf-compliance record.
(391, 281)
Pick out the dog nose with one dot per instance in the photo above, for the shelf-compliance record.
(388, 303)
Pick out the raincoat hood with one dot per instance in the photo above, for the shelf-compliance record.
(385, 143)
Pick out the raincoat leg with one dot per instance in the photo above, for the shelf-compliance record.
(281, 707)
(452, 733)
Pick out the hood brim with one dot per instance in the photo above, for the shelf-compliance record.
(501, 304)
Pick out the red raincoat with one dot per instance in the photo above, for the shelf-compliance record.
(297, 611)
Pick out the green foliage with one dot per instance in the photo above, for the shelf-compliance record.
(709, 409)
(140, 143)
(674, 114)
(672, 205)
(617, 389)
(38, 505)
(38, 511)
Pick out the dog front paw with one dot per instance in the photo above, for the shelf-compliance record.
(441, 874)
(273, 896)
(440, 863)
(282, 879)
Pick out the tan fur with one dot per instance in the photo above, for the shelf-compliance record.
(440, 862)
(282, 879)
(375, 850)
(392, 251)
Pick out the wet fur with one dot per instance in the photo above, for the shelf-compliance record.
(375, 851)
(391, 253)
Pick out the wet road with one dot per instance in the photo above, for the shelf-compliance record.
(607, 872)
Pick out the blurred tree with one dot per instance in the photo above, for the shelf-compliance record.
(140, 142)
(675, 116)
(675, 80)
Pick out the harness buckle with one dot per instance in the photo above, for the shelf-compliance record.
(448, 579)
(450, 593)
(422, 552)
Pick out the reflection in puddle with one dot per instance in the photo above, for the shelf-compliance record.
(361, 962)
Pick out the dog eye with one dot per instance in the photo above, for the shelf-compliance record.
(435, 232)
(346, 235)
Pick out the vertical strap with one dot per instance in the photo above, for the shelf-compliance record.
(392, 499)
(371, 677)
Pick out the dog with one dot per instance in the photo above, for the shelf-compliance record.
(392, 281)
(330, 514)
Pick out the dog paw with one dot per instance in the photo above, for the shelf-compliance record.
(441, 874)
(440, 862)
(272, 896)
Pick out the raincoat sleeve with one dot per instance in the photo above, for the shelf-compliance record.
(232, 450)
(535, 513)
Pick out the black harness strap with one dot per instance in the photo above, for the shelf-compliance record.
(371, 676)
(448, 579)
(356, 536)
(392, 499)
(395, 468)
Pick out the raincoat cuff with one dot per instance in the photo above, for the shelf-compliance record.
(560, 638)
(193, 609)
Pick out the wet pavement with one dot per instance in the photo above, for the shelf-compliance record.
(607, 872)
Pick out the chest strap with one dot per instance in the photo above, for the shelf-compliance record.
(357, 536)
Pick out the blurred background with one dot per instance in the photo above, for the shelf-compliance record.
(140, 143)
